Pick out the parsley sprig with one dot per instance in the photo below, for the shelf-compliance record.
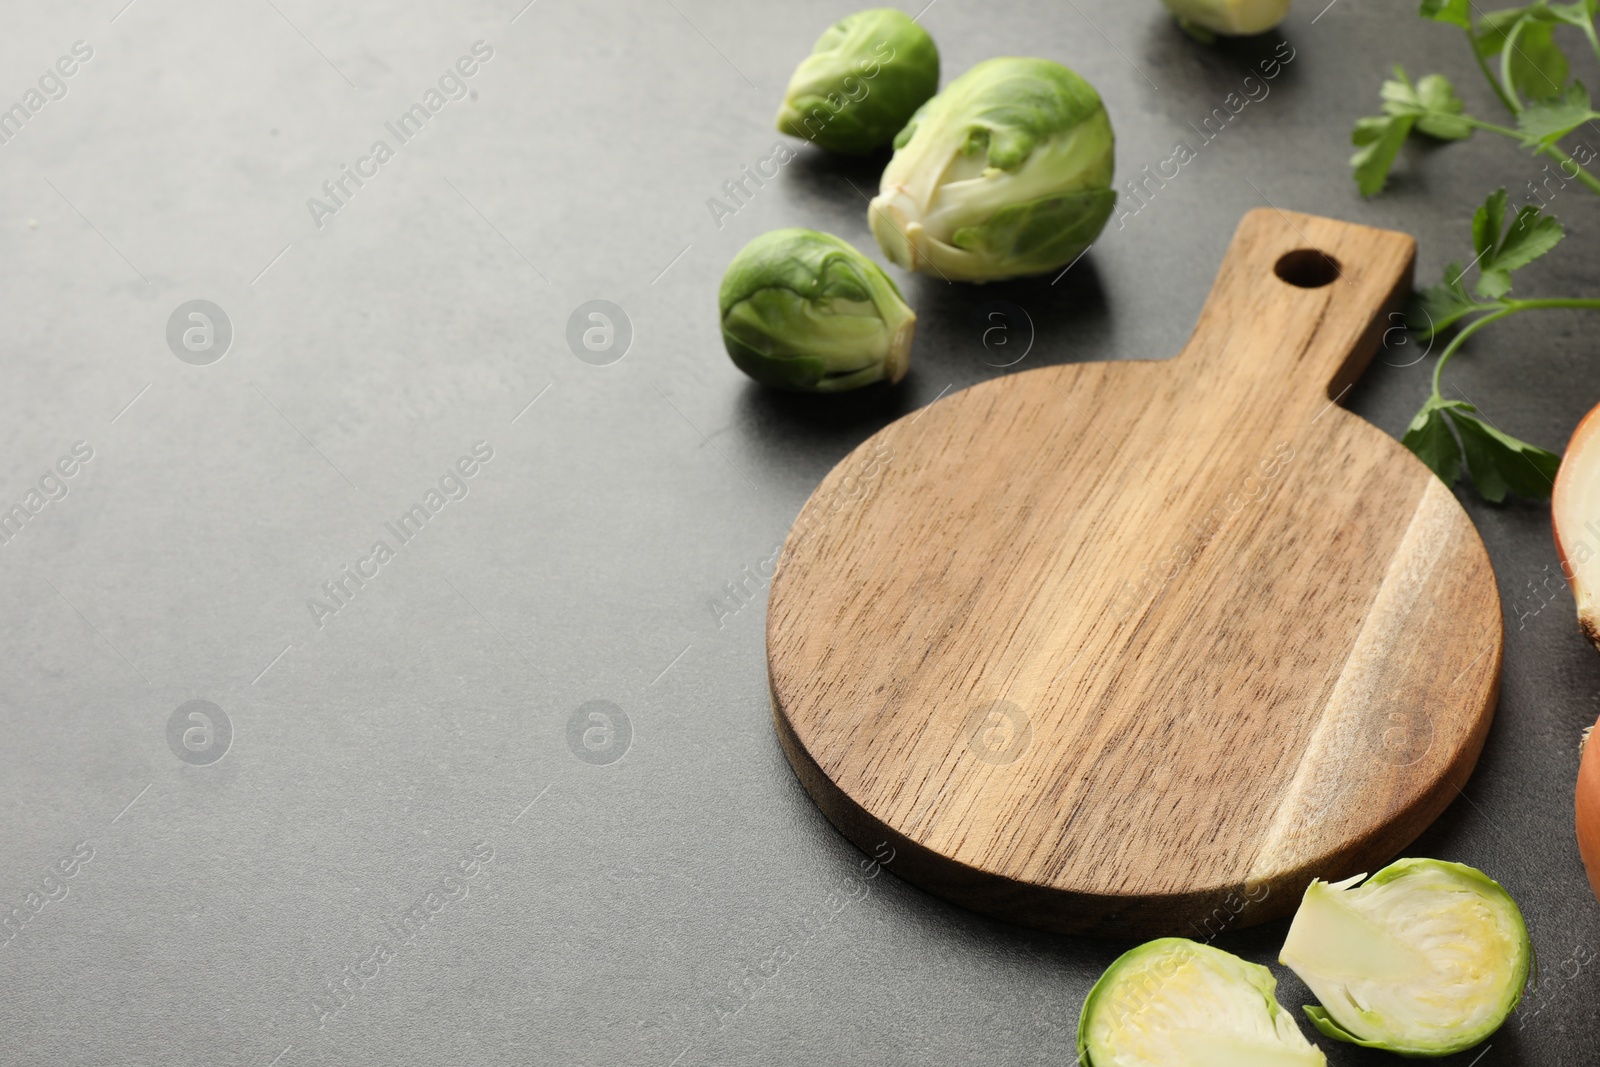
(1521, 58)
(1497, 462)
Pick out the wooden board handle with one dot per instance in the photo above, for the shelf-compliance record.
(1302, 303)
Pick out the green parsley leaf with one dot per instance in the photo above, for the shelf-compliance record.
(1487, 222)
(1530, 236)
(1455, 12)
(1538, 66)
(1438, 97)
(1431, 106)
(1499, 462)
(1579, 13)
(1547, 121)
(1501, 250)
(1429, 437)
(1441, 306)
(1382, 136)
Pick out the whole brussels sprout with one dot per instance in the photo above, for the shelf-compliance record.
(1231, 18)
(1426, 958)
(804, 310)
(1007, 172)
(862, 81)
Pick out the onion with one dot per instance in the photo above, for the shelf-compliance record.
(1575, 518)
(1589, 812)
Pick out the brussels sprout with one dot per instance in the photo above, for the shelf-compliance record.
(1006, 172)
(1427, 958)
(1231, 18)
(862, 81)
(804, 310)
(1177, 1003)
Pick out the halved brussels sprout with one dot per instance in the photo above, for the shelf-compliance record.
(1007, 172)
(861, 83)
(1425, 959)
(804, 310)
(1231, 18)
(1178, 1003)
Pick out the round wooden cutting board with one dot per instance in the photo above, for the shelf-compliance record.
(1142, 647)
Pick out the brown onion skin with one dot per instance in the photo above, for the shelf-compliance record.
(1588, 794)
(1588, 802)
(1588, 426)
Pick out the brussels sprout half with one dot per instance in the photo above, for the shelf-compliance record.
(1178, 1003)
(1005, 173)
(1425, 959)
(861, 83)
(804, 310)
(1230, 18)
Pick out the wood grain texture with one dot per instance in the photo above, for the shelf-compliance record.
(1142, 647)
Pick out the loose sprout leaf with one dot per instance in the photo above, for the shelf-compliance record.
(1499, 462)
(1455, 12)
(1382, 137)
(1547, 121)
(1439, 307)
(1538, 66)
(1429, 437)
(1328, 1028)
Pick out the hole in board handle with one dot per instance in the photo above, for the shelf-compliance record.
(1307, 268)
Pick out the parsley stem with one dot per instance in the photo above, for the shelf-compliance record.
(1555, 153)
(1503, 309)
(1456, 342)
(1594, 42)
(1490, 78)
(1552, 150)
(1505, 65)
(1504, 131)
(1554, 302)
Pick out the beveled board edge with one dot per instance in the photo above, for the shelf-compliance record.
(1204, 913)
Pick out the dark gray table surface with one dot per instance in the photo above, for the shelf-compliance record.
(684, 904)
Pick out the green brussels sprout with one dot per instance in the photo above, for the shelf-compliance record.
(804, 310)
(1176, 1001)
(1425, 959)
(1230, 18)
(862, 81)
(1007, 172)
